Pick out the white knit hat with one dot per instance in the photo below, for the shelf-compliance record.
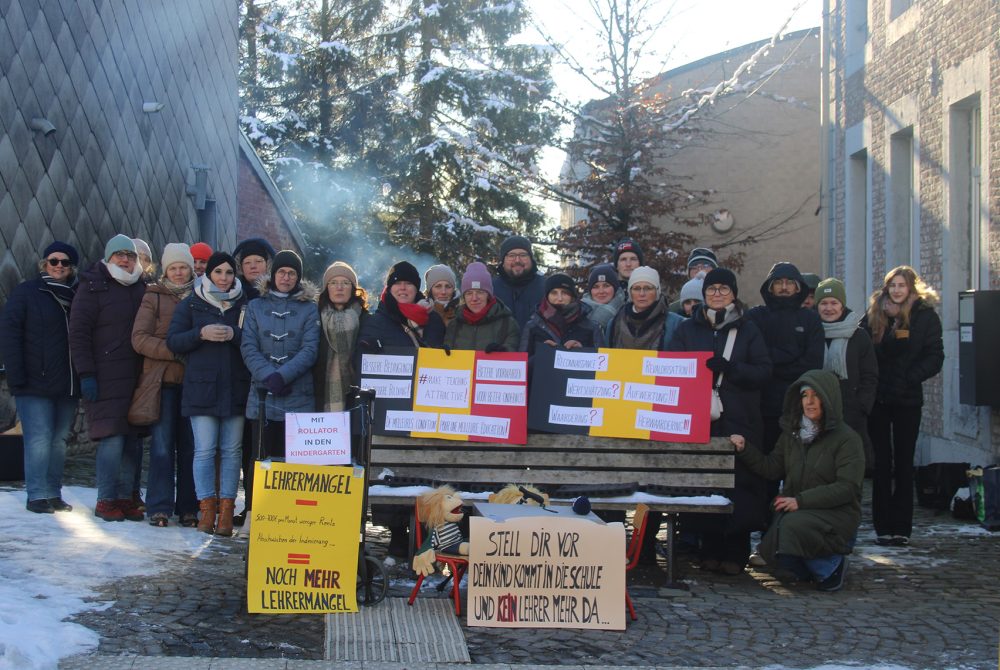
(177, 252)
(646, 274)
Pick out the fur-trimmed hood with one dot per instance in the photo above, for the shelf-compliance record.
(309, 292)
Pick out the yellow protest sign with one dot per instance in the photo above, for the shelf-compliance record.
(304, 539)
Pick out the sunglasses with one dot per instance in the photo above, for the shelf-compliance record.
(65, 262)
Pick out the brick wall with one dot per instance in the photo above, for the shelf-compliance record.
(947, 34)
(257, 214)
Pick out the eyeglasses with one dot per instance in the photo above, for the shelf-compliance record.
(65, 262)
(340, 284)
(518, 255)
(641, 288)
(131, 255)
(286, 273)
(719, 290)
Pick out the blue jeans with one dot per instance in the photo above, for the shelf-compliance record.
(171, 449)
(116, 467)
(816, 569)
(46, 423)
(217, 434)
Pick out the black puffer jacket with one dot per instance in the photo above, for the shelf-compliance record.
(904, 363)
(794, 337)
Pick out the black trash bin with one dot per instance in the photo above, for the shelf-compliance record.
(11, 458)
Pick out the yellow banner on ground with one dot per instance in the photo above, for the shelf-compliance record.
(304, 535)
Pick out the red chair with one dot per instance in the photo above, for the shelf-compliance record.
(457, 565)
(633, 548)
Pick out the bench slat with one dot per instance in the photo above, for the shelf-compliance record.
(699, 480)
(588, 460)
(565, 443)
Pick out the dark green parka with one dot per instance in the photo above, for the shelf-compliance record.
(498, 327)
(824, 476)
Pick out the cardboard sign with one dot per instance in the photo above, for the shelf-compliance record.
(318, 439)
(390, 373)
(476, 397)
(304, 539)
(627, 393)
(537, 572)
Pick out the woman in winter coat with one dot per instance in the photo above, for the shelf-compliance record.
(280, 342)
(171, 446)
(644, 322)
(822, 464)
(399, 322)
(561, 319)
(604, 296)
(343, 308)
(483, 323)
(739, 378)
(206, 329)
(906, 332)
(34, 345)
(851, 356)
(441, 294)
(100, 338)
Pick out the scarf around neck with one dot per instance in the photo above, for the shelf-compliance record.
(720, 318)
(63, 292)
(473, 318)
(559, 318)
(221, 300)
(838, 333)
(340, 327)
(180, 291)
(641, 330)
(808, 430)
(121, 276)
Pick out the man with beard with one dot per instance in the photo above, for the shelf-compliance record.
(517, 283)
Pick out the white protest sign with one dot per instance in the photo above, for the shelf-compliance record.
(576, 416)
(386, 364)
(407, 421)
(537, 572)
(437, 387)
(581, 361)
(592, 388)
(477, 426)
(388, 388)
(501, 371)
(318, 438)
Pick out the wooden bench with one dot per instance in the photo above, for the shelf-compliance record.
(674, 472)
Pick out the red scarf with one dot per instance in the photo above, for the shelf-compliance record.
(473, 318)
(411, 311)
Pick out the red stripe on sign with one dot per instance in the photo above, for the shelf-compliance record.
(299, 555)
(297, 562)
(307, 503)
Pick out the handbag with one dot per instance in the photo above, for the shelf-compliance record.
(716, 407)
(144, 409)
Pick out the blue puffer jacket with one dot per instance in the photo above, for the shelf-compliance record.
(216, 381)
(34, 343)
(281, 334)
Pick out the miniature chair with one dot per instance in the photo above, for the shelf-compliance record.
(457, 565)
(633, 547)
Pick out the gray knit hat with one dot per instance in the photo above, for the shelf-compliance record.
(177, 252)
(436, 273)
(692, 289)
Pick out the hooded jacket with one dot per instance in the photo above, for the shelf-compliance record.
(794, 336)
(523, 294)
(904, 364)
(281, 334)
(824, 476)
(100, 339)
(496, 327)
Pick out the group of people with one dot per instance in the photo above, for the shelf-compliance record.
(221, 346)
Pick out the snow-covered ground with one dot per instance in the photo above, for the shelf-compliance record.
(51, 563)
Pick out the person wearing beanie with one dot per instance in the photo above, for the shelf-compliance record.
(201, 252)
(701, 259)
(34, 345)
(100, 320)
(145, 255)
(561, 319)
(604, 296)
(810, 281)
(643, 322)
(252, 256)
(442, 296)
(517, 282)
(398, 322)
(691, 294)
(794, 338)
(171, 447)
(628, 256)
(849, 354)
(483, 323)
(343, 308)
(738, 377)
(207, 329)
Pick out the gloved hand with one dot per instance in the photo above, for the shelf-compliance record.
(275, 384)
(88, 387)
(494, 347)
(717, 364)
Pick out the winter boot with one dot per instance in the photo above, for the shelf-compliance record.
(108, 510)
(130, 510)
(208, 506)
(225, 525)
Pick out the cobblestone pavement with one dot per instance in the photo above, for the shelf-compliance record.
(934, 604)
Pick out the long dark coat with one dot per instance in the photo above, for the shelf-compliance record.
(824, 477)
(100, 338)
(904, 364)
(858, 390)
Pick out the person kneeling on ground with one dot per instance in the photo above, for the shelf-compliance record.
(822, 462)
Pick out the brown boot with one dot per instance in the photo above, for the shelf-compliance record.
(206, 522)
(225, 525)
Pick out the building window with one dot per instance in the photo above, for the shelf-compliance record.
(897, 7)
(900, 221)
(856, 34)
(966, 190)
(858, 252)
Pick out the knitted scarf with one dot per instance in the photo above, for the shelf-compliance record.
(559, 318)
(122, 276)
(837, 335)
(221, 300)
(63, 292)
(180, 291)
(473, 318)
(641, 330)
(720, 318)
(340, 326)
(808, 430)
